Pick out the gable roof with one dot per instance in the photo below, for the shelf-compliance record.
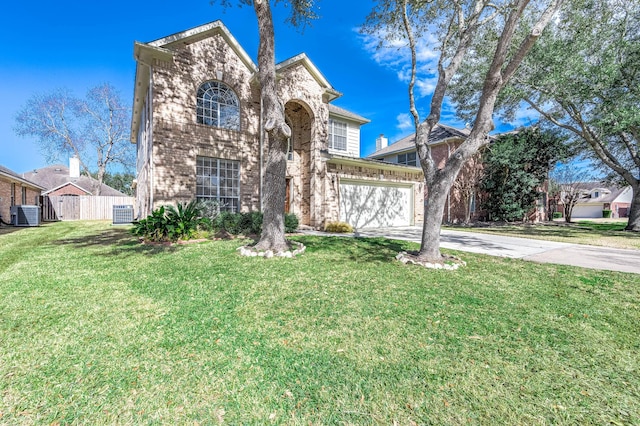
(343, 113)
(56, 176)
(161, 49)
(11, 175)
(441, 133)
(201, 32)
(303, 59)
(606, 193)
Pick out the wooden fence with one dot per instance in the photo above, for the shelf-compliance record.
(81, 207)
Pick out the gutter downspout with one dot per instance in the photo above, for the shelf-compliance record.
(149, 106)
(151, 167)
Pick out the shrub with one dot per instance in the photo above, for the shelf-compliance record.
(606, 214)
(229, 222)
(249, 223)
(171, 223)
(338, 227)
(210, 210)
(290, 222)
(557, 215)
(153, 227)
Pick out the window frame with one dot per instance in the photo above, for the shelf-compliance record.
(405, 159)
(217, 105)
(332, 136)
(223, 172)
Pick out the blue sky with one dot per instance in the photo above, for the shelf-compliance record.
(80, 44)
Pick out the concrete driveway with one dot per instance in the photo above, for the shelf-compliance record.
(522, 248)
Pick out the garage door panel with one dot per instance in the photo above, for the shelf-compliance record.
(587, 211)
(365, 205)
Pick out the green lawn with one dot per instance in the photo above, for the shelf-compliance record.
(98, 329)
(597, 233)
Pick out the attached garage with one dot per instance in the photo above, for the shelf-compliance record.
(587, 211)
(369, 204)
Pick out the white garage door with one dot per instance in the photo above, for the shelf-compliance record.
(584, 211)
(365, 204)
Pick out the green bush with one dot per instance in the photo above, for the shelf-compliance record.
(171, 223)
(249, 223)
(338, 227)
(229, 222)
(557, 215)
(290, 223)
(606, 214)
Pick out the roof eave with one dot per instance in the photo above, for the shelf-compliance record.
(21, 180)
(339, 159)
(375, 156)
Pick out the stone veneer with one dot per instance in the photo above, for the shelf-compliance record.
(169, 138)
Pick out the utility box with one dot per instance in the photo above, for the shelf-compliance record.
(25, 215)
(122, 214)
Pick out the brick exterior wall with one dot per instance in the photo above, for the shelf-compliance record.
(170, 139)
(69, 190)
(32, 197)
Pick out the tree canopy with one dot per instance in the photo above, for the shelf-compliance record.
(94, 128)
(516, 167)
(584, 77)
(505, 30)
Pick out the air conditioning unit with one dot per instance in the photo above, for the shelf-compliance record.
(122, 214)
(25, 215)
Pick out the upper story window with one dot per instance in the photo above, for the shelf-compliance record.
(408, 158)
(337, 135)
(218, 106)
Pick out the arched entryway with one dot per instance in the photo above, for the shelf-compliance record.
(299, 192)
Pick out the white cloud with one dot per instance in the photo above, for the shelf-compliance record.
(405, 122)
(394, 54)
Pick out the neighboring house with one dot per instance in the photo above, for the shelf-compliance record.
(596, 197)
(197, 123)
(462, 202)
(15, 190)
(61, 180)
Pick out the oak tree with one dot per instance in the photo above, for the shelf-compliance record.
(584, 77)
(507, 29)
(276, 129)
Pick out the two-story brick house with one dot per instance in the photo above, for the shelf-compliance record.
(197, 123)
(462, 201)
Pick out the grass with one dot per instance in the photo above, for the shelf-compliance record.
(597, 233)
(98, 329)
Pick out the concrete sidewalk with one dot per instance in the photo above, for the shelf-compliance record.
(519, 248)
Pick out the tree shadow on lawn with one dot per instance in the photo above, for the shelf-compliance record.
(7, 229)
(119, 241)
(360, 249)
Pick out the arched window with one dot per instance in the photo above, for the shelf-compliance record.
(218, 106)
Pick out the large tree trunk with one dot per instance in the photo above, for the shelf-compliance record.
(433, 212)
(272, 237)
(634, 211)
